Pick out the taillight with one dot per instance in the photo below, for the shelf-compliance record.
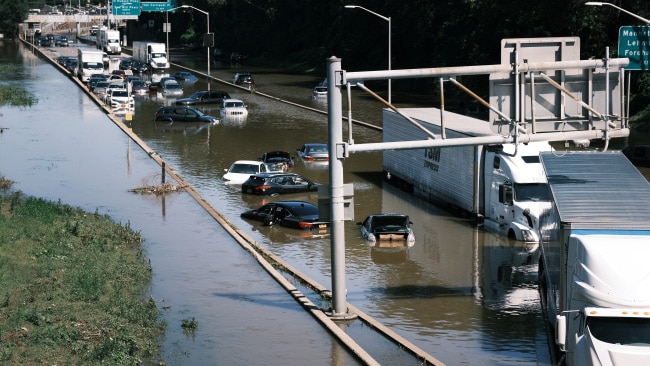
(309, 158)
(305, 225)
(262, 188)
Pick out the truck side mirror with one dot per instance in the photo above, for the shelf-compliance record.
(505, 193)
(560, 332)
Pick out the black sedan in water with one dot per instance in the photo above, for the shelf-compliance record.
(273, 184)
(293, 214)
(387, 227)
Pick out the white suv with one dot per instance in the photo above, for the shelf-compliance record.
(121, 99)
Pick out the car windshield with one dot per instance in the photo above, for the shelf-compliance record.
(245, 168)
(172, 86)
(234, 104)
(93, 65)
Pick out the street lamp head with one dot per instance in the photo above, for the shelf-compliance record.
(351, 6)
(594, 3)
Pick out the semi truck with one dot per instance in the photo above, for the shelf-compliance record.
(91, 61)
(151, 53)
(594, 277)
(108, 40)
(502, 186)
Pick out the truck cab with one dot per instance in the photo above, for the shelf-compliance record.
(516, 190)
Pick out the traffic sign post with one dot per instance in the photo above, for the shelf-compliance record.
(634, 44)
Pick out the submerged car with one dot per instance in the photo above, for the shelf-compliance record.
(278, 160)
(244, 79)
(240, 170)
(273, 184)
(182, 114)
(293, 214)
(233, 108)
(387, 227)
(171, 88)
(314, 152)
(204, 97)
(139, 66)
(319, 92)
(139, 87)
(184, 77)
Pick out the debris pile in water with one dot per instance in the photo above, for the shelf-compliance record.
(158, 190)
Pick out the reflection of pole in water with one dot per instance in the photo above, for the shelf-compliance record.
(163, 207)
(128, 155)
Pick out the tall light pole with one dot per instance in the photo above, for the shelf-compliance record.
(208, 39)
(389, 41)
(598, 3)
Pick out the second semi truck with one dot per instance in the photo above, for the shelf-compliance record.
(151, 53)
(594, 278)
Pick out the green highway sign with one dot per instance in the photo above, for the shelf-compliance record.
(634, 43)
(148, 5)
(126, 7)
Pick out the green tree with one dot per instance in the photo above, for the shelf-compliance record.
(12, 13)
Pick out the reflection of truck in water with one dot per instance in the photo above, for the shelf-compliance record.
(594, 277)
(108, 41)
(91, 61)
(151, 53)
(502, 185)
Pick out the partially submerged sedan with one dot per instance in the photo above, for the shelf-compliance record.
(293, 214)
(273, 184)
(241, 170)
(387, 228)
(314, 152)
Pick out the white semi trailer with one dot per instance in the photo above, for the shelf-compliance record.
(108, 40)
(503, 186)
(151, 53)
(594, 277)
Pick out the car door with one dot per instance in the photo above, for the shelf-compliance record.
(265, 214)
(191, 115)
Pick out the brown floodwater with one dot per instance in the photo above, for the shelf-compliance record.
(459, 293)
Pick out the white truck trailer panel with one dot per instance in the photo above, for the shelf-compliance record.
(438, 174)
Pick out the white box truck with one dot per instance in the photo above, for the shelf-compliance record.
(594, 277)
(108, 41)
(502, 186)
(151, 53)
(90, 62)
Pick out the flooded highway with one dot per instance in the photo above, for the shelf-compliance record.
(459, 293)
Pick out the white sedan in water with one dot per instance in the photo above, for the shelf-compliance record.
(241, 170)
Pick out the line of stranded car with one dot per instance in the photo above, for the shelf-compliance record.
(269, 175)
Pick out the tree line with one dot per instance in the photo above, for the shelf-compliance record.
(300, 35)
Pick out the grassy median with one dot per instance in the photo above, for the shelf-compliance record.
(73, 288)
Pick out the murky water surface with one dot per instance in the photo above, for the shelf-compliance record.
(459, 293)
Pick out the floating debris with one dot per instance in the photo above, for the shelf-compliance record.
(159, 189)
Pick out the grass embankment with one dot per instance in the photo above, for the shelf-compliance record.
(73, 288)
